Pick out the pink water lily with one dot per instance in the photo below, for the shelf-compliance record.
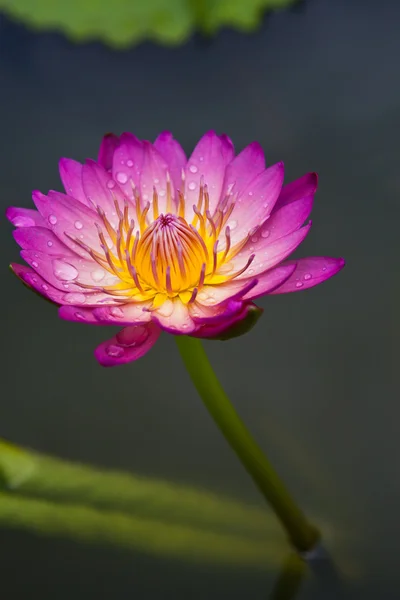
(148, 239)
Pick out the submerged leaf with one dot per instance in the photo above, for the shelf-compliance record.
(122, 23)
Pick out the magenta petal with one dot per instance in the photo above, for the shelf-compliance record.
(24, 217)
(269, 281)
(223, 326)
(207, 315)
(282, 222)
(173, 316)
(255, 202)
(208, 161)
(124, 314)
(108, 146)
(128, 163)
(71, 177)
(37, 283)
(212, 295)
(249, 163)
(101, 189)
(41, 239)
(300, 188)
(174, 155)
(310, 272)
(154, 175)
(78, 314)
(129, 344)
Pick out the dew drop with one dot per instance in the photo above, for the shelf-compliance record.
(161, 193)
(21, 221)
(122, 177)
(201, 158)
(115, 351)
(52, 219)
(97, 275)
(254, 238)
(49, 243)
(192, 185)
(299, 284)
(64, 271)
(265, 205)
(265, 233)
(250, 271)
(45, 287)
(129, 337)
(129, 163)
(74, 298)
(111, 184)
(78, 224)
(250, 193)
(324, 268)
(307, 276)
(145, 197)
(156, 181)
(116, 312)
(193, 169)
(34, 264)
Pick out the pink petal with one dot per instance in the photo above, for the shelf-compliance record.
(212, 295)
(249, 163)
(269, 281)
(300, 188)
(174, 155)
(206, 315)
(101, 190)
(41, 239)
(209, 160)
(219, 327)
(128, 163)
(154, 175)
(64, 214)
(71, 177)
(78, 314)
(310, 272)
(282, 222)
(124, 314)
(255, 202)
(67, 271)
(24, 217)
(173, 316)
(108, 146)
(129, 344)
(268, 255)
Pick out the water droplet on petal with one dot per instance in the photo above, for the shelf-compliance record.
(21, 221)
(116, 312)
(129, 163)
(265, 205)
(74, 298)
(201, 158)
(111, 184)
(122, 177)
(34, 264)
(161, 193)
(97, 275)
(299, 284)
(156, 181)
(130, 337)
(254, 238)
(115, 351)
(265, 233)
(64, 271)
(250, 193)
(193, 169)
(307, 276)
(250, 271)
(232, 224)
(192, 185)
(52, 219)
(49, 243)
(324, 268)
(45, 287)
(78, 224)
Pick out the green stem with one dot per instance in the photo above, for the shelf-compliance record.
(302, 534)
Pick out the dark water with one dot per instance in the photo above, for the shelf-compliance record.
(319, 87)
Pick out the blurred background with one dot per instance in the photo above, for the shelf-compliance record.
(318, 86)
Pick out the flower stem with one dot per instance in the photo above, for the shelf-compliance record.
(302, 534)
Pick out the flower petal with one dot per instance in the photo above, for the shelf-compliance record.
(309, 272)
(209, 160)
(249, 163)
(255, 202)
(228, 328)
(124, 314)
(300, 188)
(41, 239)
(206, 315)
(154, 175)
(71, 177)
(24, 217)
(212, 295)
(174, 155)
(78, 314)
(173, 316)
(128, 163)
(65, 215)
(268, 255)
(108, 146)
(129, 344)
(269, 281)
(282, 222)
(101, 190)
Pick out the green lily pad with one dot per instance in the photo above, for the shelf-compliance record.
(122, 23)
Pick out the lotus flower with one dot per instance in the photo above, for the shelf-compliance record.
(150, 240)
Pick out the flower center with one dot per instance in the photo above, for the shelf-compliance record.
(170, 255)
